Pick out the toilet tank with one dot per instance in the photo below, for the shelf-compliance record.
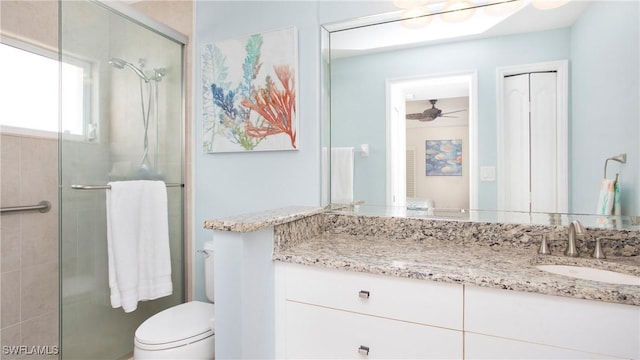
(208, 269)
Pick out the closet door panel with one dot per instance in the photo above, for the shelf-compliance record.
(514, 182)
(544, 142)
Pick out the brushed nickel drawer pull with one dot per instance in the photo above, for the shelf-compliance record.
(363, 294)
(363, 350)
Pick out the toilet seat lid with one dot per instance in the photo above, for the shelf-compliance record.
(178, 324)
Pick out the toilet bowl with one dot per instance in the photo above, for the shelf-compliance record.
(185, 331)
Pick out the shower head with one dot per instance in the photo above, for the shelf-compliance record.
(121, 64)
(117, 63)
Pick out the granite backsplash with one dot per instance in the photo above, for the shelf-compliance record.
(614, 242)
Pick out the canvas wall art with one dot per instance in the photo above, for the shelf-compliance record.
(444, 157)
(249, 93)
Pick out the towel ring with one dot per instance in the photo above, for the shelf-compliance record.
(622, 158)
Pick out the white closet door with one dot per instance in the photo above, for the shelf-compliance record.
(544, 167)
(514, 182)
(528, 180)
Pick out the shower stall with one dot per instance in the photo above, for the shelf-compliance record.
(121, 118)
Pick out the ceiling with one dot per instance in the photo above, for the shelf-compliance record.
(385, 32)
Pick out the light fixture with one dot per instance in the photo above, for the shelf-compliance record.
(409, 4)
(548, 4)
(503, 8)
(416, 18)
(455, 11)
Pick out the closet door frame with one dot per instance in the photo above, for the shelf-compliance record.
(562, 126)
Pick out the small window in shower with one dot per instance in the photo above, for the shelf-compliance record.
(30, 92)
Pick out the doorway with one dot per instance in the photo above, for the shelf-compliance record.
(427, 87)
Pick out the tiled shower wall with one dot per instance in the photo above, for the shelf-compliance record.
(29, 243)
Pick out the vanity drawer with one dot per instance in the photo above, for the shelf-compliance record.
(583, 325)
(478, 346)
(321, 333)
(418, 301)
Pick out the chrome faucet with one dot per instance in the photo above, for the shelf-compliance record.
(575, 228)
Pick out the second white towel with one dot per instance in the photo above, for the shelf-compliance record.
(342, 175)
(138, 242)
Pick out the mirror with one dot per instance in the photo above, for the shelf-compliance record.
(596, 44)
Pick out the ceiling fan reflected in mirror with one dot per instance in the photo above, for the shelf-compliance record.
(432, 113)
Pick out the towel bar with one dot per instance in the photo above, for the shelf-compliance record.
(103, 187)
(43, 206)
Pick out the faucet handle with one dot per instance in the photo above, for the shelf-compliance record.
(597, 251)
(544, 247)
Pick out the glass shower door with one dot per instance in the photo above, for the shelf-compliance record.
(122, 98)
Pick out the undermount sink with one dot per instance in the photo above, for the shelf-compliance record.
(588, 273)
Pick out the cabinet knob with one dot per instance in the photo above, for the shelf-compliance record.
(363, 350)
(363, 294)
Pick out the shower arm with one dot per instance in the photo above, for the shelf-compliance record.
(622, 158)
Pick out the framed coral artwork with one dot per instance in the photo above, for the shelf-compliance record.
(444, 157)
(249, 88)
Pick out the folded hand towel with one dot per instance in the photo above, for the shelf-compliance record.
(342, 175)
(606, 197)
(138, 242)
(617, 210)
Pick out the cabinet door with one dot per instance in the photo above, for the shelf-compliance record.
(477, 346)
(322, 333)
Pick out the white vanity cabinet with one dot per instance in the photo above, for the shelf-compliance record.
(325, 313)
(506, 324)
(335, 314)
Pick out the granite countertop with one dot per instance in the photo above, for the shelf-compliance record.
(260, 220)
(509, 268)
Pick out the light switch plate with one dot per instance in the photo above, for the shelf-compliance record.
(487, 173)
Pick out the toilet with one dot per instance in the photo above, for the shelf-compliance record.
(184, 331)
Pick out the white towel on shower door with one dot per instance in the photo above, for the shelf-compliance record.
(138, 242)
